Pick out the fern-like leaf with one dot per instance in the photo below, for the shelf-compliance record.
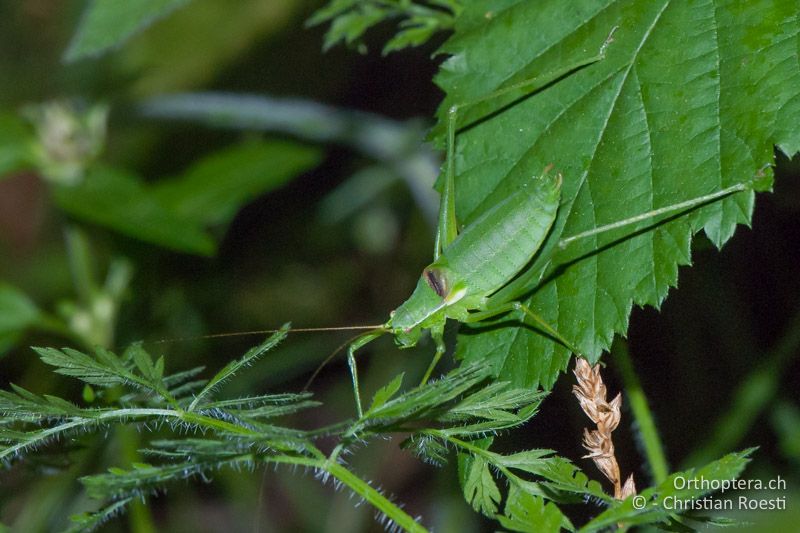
(234, 366)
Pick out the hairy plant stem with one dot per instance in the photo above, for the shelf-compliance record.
(360, 487)
(653, 447)
(316, 460)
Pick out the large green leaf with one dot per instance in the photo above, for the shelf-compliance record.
(16, 141)
(17, 313)
(107, 24)
(689, 101)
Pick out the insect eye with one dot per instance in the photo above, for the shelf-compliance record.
(436, 281)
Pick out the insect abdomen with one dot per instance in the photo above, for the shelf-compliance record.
(496, 246)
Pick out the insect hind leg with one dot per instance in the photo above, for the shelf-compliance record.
(357, 344)
(537, 321)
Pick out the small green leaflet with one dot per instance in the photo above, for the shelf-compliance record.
(530, 514)
(385, 393)
(480, 488)
(690, 99)
(350, 19)
(108, 24)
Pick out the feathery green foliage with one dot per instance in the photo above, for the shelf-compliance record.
(462, 412)
(419, 21)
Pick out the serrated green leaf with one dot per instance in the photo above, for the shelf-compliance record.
(689, 101)
(496, 401)
(119, 201)
(215, 188)
(105, 370)
(559, 474)
(106, 25)
(142, 360)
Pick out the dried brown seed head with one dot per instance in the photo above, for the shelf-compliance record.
(591, 394)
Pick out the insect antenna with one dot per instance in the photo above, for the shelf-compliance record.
(327, 360)
(333, 354)
(261, 332)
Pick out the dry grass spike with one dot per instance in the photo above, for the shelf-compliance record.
(591, 393)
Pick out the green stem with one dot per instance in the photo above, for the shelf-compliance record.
(653, 448)
(80, 263)
(375, 498)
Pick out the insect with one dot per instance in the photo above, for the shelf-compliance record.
(472, 265)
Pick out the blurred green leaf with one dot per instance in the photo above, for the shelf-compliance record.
(17, 313)
(16, 141)
(350, 19)
(213, 190)
(194, 45)
(174, 212)
(107, 24)
(119, 201)
(786, 421)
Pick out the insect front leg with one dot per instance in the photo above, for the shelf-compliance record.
(360, 342)
(437, 335)
(536, 319)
